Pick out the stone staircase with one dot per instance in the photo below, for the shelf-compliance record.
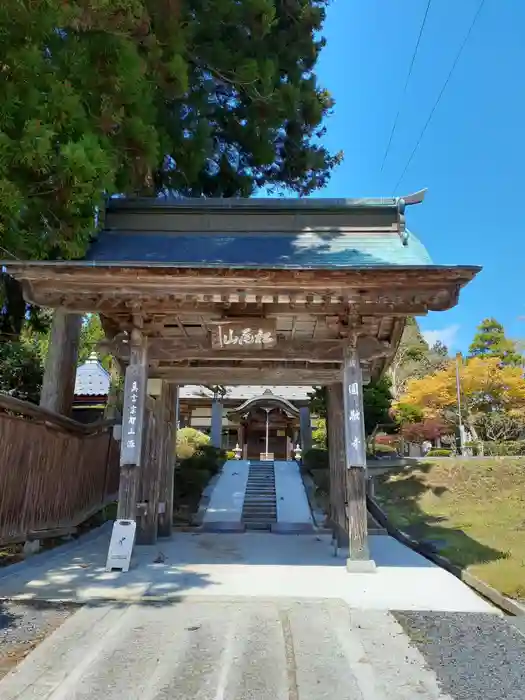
(260, 506)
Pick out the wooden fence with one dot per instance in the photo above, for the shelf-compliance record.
(54, 472)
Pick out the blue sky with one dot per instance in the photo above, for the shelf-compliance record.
(472, 157)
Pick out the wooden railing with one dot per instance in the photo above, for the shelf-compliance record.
(54, 472)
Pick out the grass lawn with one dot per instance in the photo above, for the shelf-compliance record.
(474, 512)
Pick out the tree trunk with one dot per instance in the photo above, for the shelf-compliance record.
(58, 386)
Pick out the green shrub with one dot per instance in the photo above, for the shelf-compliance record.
(315, 458)
(188, 440)
(474, 447)
(384, 449)
(215, 455)
(319, 434)
(511, 448)
(204, 457)
(189, 484)
(194, 472)
(439, 452)
(230, 454)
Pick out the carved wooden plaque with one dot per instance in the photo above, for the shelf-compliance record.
(133, 415)
(355, 441)
(245, 334)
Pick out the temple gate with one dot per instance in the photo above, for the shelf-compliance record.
(258, 291)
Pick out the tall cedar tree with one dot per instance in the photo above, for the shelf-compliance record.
(490, 341)
(188, 97)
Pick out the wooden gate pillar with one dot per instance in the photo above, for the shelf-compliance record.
(58, 386)
(170, 399)
(305, 423)
(241, 438)
(336, 455)
(135, 385)
(148, 492)
(216, 423)
(355, 458)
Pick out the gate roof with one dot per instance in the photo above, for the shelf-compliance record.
(320, 270)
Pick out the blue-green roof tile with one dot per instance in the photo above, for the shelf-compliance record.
(265, 250)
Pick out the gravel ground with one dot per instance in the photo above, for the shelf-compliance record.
(22, 627)
(473, 655)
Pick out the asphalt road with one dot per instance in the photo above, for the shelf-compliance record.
(253, 649)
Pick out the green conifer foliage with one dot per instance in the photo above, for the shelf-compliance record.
(490, 341)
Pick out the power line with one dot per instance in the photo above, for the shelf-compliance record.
(394, 125)
(456, 61)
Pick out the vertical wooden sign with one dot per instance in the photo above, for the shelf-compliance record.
(355, 441)
(133, 415)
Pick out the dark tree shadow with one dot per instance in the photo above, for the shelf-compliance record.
(400, 499)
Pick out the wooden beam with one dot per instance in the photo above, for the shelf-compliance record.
(326, 350)
(82, 302)
(355, 458)
(58, 386)
(249, 375)
(274, 281)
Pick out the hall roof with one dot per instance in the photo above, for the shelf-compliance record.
(244, 392)
(264, 400)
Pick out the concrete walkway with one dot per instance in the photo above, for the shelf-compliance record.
(221, 649)
(224, 510)
(293, 509)
(250, 565)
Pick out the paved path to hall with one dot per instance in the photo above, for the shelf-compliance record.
(279, 649)
(248, 565)
(232, 650)
(260, 617)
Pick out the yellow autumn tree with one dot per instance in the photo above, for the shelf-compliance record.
(486, 386)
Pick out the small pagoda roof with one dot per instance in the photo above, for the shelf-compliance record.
(92, 379)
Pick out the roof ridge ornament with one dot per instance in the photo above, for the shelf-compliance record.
(402, 202)
(415, 198)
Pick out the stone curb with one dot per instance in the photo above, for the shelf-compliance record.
(491, 594)
(318, 516)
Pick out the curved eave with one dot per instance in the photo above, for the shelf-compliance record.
(264, 400)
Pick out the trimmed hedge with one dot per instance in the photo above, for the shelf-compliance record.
(383, 448)
(439, 452)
